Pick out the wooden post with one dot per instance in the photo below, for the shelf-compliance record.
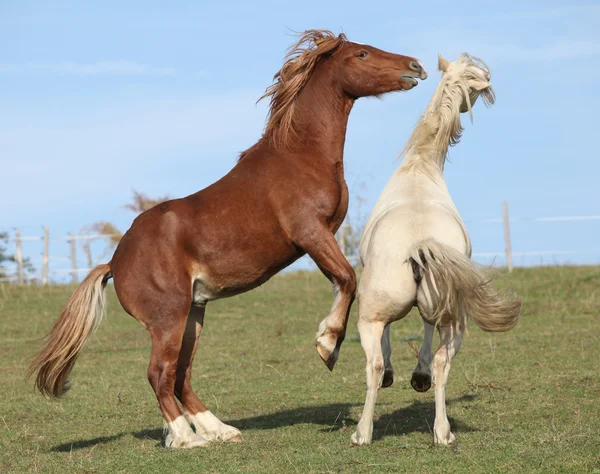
(507, 237)
(46, 256)
(73, 258)
(19, 257)
(88, 251)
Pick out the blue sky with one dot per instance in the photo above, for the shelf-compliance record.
(97, 99)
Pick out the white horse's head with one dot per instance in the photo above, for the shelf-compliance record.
(472, 76)
(463, 82)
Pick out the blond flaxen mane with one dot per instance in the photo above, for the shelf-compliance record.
(440, 127)
(300, 62)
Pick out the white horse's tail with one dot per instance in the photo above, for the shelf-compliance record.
(458, 288)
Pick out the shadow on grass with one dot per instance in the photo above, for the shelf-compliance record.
(416, 417)
(82, 444)
(148, 434)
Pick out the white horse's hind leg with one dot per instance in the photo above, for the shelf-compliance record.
(450, 344)
(421, 376)
(371, 334)
(386, 346)
(384, 297)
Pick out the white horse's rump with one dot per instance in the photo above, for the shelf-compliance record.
(416, 251)
(453, 287)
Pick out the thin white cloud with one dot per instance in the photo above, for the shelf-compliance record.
(101, 68)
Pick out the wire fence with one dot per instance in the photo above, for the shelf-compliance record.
(44, 258)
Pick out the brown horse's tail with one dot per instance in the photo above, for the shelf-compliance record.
(458, 288)
(81, 316)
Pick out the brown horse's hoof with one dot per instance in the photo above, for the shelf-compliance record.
(388, 378)
(420, 382)
(328, 356)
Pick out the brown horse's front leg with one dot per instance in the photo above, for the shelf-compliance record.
(321, 245)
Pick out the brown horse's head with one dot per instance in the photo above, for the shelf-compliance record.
(367, 71)
(359, 70)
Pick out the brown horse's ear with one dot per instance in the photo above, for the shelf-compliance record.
(443, 63)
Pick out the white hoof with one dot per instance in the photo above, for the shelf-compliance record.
(358, 440)
(180, 435)
(443, 436)
(227, 433)
(190, 442)
(213, 429)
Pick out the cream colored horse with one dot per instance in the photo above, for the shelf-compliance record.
(416, 251)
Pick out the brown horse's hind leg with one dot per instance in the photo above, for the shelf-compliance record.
(206, 424)
(167, 336)
(325, 251)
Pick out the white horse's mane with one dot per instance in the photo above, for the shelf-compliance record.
(439, 127)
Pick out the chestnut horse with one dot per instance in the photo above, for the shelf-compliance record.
(285, 197)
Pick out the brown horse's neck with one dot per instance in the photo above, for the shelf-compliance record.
(321, 117)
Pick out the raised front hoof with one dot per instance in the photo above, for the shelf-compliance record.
(185, 443)
(420, 382)
(388, 379)
(328, 352)
(358, 440)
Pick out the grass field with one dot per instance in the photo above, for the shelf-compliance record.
(525, 401)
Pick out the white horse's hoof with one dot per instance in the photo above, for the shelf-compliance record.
(358, 440)
(443, 436)
(421, 382)
(388, 378)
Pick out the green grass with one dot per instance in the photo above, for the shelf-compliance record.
(525, 401)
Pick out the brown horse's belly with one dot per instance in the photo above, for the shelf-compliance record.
(228, 272)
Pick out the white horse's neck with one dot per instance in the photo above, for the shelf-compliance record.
(437, 129)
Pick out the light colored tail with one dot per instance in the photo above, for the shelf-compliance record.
(460, 288)
(76, 323)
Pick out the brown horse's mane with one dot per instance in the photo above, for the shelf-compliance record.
(300, 62)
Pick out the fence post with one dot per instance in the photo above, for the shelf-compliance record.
(19, 257)
(88, 252)
(46, 256)
(73, 258)
(507, 237)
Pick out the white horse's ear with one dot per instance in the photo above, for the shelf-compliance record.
(479, 85)
(443, 63)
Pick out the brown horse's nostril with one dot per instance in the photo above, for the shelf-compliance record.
(416, 66)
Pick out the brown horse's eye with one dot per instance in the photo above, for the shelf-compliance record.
(362, 54)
